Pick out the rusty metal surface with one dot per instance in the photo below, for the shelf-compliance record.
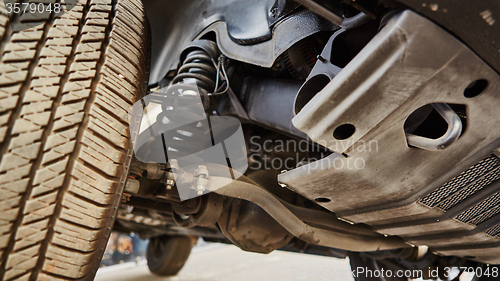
(314, 235)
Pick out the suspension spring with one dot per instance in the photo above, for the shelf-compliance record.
(200, 66)
(198, 69)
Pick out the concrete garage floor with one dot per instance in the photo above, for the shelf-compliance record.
(217, 262)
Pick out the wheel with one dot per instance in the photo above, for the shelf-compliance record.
(166, 255)
(67, 82)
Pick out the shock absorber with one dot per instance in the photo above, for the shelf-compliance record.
(183, 133)
(198, 72)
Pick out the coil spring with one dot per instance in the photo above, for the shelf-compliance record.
(198, 65)
(191, 137)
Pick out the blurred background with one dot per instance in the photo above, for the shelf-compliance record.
(125, 260)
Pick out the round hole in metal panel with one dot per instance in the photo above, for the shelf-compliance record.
(475, 88)
(322, 200)
(344, 131)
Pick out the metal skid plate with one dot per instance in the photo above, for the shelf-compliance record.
(379, 179)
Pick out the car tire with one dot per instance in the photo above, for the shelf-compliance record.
(67, 82)
(166, 255)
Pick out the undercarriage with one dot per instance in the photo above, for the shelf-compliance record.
(373, 131)
(364, 129)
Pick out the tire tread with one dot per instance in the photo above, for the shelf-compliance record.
(66, 84)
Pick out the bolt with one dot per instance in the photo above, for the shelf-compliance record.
(321, 59)
(169, 184)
